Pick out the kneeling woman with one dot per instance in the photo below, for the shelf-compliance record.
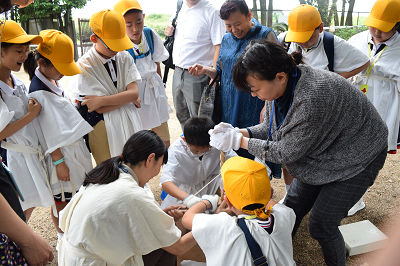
(112, 220)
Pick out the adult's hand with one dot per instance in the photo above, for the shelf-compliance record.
(36, 250)
(197, 70)
(22, 3)
(169, 30)
(176, 211)
(229, 138)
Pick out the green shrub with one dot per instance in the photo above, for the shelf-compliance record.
(157, 22)
(346, 33)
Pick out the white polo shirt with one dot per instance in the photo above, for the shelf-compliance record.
(224, 243)
(198, 29)
(346, 57)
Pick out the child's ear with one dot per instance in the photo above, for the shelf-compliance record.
(228, 202)
(144, 15)
(93, 38)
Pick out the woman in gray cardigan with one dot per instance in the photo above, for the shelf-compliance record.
(322, 129)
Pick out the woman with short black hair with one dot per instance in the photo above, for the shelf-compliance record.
(325, 131)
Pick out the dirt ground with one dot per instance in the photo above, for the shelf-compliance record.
(381, 200)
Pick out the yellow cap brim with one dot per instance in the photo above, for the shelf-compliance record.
(119, 45)
(299, 37)
(33, 39)
(67, 69)
(379, 24)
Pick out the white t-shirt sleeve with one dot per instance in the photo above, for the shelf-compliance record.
(160, 53)
(346, 56)
(217, 29)
(281, 37)
(5, 115)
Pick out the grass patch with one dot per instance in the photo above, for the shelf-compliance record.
(157, 22)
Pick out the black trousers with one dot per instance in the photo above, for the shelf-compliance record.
(159, 257)
(329, 204)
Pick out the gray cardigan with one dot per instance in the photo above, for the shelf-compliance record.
(331, 132)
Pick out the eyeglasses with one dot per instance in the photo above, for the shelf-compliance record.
(105, 45)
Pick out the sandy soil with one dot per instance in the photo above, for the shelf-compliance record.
(381, 199)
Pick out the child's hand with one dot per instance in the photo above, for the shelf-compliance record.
(62, 172)
(92, 102)
(176, 211)
(34, 107)
(137, 103)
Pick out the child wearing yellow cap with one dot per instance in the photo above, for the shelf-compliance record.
(247, 194)
(61, 125)
(107, 88)
(381, 80)
(148, 51)
(17, 120)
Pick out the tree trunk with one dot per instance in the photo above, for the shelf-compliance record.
(263, 7)
(349, 19)
(254, 10)
(333, 13)
(343, 9)
(270, 12)
(302, 2)
(323, 8)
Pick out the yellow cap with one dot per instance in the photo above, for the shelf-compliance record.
(124, 6)
(384, 15)
(14, 33)
(59, 49)
(302, 20)
(246, 182)
(109, 26)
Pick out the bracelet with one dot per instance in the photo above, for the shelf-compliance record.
(59, 161)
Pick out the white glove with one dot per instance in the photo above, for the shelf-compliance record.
(224, 141)
(213, 199)
(191, 200)
(224, 127)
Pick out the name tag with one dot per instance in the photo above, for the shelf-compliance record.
(364, 88)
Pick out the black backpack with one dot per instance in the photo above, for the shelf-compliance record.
(328, 47)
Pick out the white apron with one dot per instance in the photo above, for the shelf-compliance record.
(95, 80)
(154, 110)
(383, 83)
(63, 127)
(24, 155)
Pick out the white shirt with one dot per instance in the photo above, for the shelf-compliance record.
(346, 57)
(383, 81)
(188, 172)
(114, 224)
(198, 29)
(210, 230)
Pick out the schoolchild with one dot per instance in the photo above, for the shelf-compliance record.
(147, 52)
(381, 81)
(18, 129)
(106, 90)
(192, 164)
(61, 126)
(247, 193)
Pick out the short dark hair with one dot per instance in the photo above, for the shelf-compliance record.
(264, 59)
(5, 6)
(231, 6)
(196, 130)
(133, 11)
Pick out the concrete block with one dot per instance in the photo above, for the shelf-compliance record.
(362, 237)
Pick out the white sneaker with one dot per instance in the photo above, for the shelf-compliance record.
(357, 207)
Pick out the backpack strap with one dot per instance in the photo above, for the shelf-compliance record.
(255, 250)
(329, 49)
(148, 33)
